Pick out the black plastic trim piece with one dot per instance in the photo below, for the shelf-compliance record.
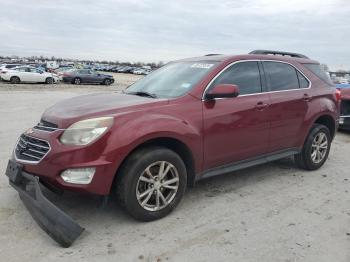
(272, 52)
(57, 224)
(247, 163)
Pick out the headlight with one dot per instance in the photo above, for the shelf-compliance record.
(86, 131)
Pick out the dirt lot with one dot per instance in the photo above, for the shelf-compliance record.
(272, 212)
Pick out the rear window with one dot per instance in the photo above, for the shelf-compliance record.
(317, 70)
(11, 66)
(303, 82)
(281, 76)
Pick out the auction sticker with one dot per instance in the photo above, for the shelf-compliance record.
(203, 66)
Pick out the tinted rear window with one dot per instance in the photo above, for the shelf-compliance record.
(317, 70)
(281, 76)
(10, 66)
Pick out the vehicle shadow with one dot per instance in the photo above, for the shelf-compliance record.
(344, 131)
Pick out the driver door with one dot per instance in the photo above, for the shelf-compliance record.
(237, 128)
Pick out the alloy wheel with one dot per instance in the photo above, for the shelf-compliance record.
(157, 186)
(319, 147)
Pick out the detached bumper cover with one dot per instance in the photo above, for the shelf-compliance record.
(57, 224)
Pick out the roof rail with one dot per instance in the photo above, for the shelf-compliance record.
(271, 52)
(212, 54)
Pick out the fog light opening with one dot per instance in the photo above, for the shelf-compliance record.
(82, 176)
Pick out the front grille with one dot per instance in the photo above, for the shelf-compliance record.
(31, 149)
(345, 108)
(46, 126)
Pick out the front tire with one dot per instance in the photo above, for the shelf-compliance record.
(316, 148)
(151, 183)
(107, 82)
(77, 81)
(49, 80)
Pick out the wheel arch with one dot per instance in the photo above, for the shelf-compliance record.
(15, 76)
(327, 121)
(173, 144)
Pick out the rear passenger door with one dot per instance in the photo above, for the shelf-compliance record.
(290, 96)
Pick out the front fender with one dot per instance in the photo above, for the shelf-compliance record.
(134, 129)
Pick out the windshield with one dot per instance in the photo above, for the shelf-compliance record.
(172, 80)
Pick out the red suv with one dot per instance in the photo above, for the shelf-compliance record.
(189, 120)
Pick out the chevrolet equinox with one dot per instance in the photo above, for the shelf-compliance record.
(190, 119)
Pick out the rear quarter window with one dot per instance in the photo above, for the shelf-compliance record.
(318, 71)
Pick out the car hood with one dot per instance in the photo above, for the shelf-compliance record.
(69, 111)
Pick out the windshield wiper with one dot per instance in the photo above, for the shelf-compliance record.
(141, 93)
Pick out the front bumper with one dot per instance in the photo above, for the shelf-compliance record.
(57, 224)
(344, 122)
(61, 158)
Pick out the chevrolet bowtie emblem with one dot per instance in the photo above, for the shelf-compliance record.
(29, 131)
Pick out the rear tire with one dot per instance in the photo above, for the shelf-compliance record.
(77, 81)
(316, 148)
(146, 192)
(49, 80)
(15, 80)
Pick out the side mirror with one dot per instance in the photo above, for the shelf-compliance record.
(223, 91)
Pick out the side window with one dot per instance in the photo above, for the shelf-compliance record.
(303, 82)
(281, 76)
(245, 75)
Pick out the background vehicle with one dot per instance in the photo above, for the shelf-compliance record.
(29, 74)
(189, 120)
(60, 71)
(5, 67)
(80, 76)
(344, 120)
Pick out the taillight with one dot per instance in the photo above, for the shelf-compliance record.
(338, 94)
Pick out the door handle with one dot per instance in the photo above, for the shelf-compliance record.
(307, 98)
(261, 106)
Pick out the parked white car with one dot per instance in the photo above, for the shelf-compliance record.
(6, 67)
(28, 75)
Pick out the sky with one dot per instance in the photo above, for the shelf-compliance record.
(162, 30)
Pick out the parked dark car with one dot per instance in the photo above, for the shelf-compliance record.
(344, 120)
(84, 76)
(126, 69)
(189, 120)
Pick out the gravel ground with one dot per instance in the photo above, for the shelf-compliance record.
(272, 212)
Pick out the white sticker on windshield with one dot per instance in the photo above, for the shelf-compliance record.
(186, 85)
(203, 66)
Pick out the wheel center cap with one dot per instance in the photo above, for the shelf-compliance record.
(157, 184)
